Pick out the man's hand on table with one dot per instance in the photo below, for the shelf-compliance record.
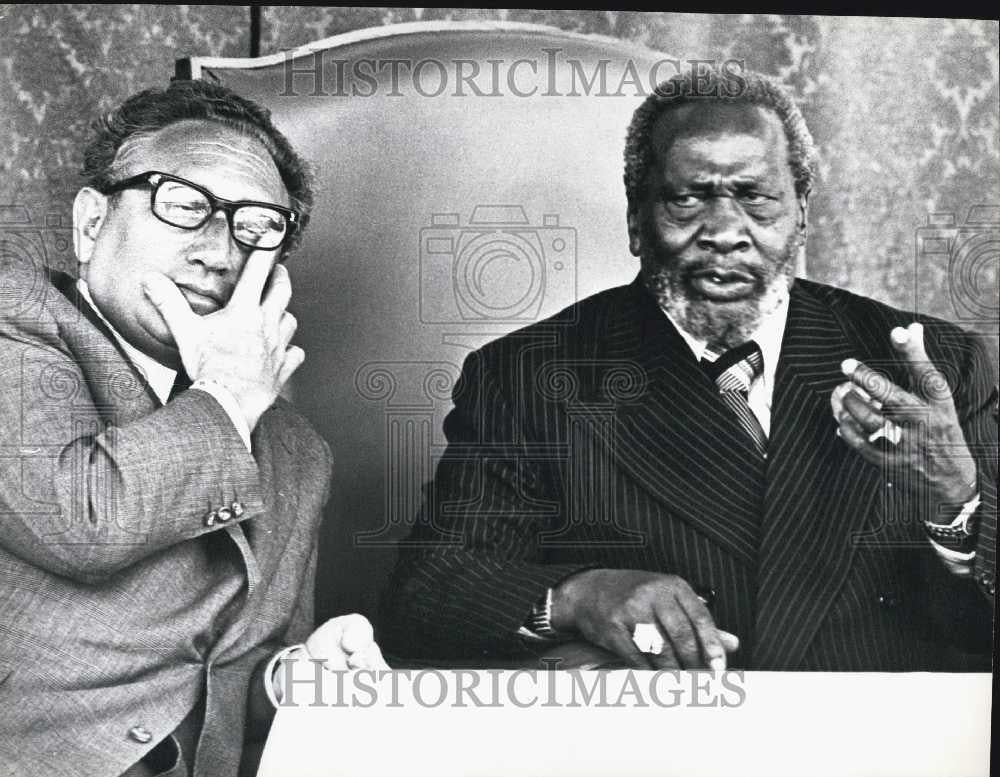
(604, 606)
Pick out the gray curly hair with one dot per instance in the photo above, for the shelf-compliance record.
(756, 89)
(151, 110)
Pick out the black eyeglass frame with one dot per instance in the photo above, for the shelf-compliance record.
(229, 207)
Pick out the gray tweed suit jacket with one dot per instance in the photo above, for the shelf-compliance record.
(120, 606)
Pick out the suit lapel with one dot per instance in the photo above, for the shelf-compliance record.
(819, 493)
(119, 390)
(677, 439)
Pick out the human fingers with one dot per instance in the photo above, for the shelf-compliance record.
(879, 387)
(325, 644)
(709, 648)
(851, 432)
(358, 633)
(294, 357)
(250, 286)
(278, 293)
(621, 642)
(368, 658)
(837, 398)
(929, 382)
(168, 300)
(286, 328)
(652, 642)
(842, 390)
(729, 641)
(864, 412)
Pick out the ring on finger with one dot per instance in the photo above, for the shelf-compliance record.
(648, 638)
(889, 431)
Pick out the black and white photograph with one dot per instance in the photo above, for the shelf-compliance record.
(441, 391)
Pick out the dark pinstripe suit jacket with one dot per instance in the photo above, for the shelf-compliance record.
(595, 439)
(119, 607)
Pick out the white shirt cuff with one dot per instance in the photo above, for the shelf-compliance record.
(225, 398)
(959, 564)
(271, 680)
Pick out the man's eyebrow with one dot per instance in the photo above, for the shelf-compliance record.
(741, 181)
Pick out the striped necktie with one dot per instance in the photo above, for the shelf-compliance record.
(733, 372)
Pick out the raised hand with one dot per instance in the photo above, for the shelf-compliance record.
(605, 606)
(930, 442)
(243, 346)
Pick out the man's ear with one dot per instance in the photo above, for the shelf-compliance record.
(89, 211)
(803, 222)
(634, 231)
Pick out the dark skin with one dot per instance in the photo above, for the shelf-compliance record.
(719, 214)
(932, 447)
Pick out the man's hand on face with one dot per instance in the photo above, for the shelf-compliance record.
(245, 345)
(605, 605)
(930, 446)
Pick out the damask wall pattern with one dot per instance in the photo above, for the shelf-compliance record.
(905, 112)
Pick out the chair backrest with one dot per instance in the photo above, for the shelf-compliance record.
(469, 181)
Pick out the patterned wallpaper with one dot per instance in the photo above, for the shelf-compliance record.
(906, 114)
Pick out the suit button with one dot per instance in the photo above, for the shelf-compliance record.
(210, 518)
(140, 734)
(237, 508)
(224, 514)
(890, 600)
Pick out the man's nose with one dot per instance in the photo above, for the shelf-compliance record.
(723, 227)
(214, 246)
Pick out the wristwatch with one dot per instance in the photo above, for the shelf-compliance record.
(959, 529)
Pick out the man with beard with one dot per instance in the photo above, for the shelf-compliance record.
(719, 462)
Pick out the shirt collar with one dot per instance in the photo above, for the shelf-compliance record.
(159, 377)
(768, 335)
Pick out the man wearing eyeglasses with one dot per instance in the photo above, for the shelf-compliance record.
(160, 503)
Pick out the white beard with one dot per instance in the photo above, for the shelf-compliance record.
(723, 325)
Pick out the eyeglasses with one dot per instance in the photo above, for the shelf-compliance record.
(180, 203)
